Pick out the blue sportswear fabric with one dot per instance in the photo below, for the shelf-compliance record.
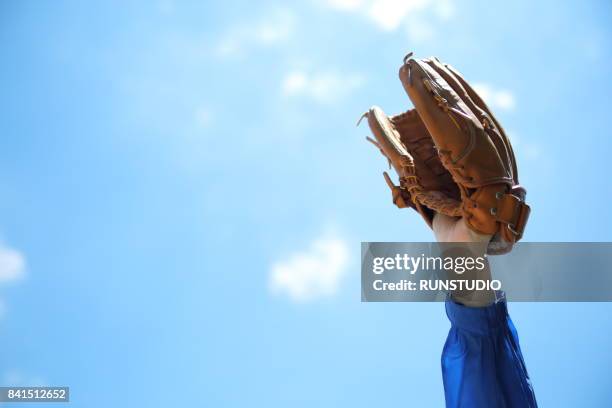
(482, 363)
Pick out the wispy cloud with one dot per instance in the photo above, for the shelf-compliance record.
(16, 378)
(420, 30)
(418, 16)
(389, 14)
(322, 87)
(496, 98)
(312, 273)
(273, 29)
(12, 269)
(347, 5)
(12, 264)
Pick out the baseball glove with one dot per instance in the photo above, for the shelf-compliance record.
(451, 155)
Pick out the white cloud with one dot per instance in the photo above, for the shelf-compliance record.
(420, 30)
(294, 83)
(274, 29)
(16, 378)
(495, 98)
(322, 87)
(12, 264)
(12, 268)
(389, 15)
(444, 9)
(348, 5)
(312, 273)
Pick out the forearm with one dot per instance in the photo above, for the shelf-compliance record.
(449, 229)
(454, 229)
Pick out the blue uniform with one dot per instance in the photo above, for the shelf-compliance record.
(482, 364)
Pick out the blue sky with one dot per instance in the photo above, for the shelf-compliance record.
(184, 193)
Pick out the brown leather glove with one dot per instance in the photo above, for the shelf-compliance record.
(451, 155)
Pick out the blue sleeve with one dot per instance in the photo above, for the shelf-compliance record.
(482, 364)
